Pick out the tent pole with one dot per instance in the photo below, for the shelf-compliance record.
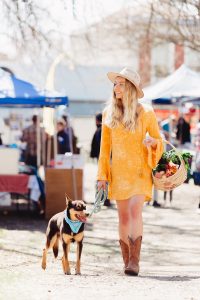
(43, 148)
(48, 150)
(55, 137)
(170, 125)
(73, 171)
(38, 141)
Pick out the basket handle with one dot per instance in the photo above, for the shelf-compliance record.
(180, 157)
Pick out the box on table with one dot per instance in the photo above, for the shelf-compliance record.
(57, 183)
(68, 161)
(9, 161)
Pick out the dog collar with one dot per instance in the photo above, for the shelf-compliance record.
(74, 225)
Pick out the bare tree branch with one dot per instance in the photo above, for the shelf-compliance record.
(24, 25)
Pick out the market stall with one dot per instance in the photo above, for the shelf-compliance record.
(183, 83)
(16, 93)
(168, 95)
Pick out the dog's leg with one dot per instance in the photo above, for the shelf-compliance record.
(78, 259)
(56, 246)
(65, 260)
(49, 244)
(44, 258)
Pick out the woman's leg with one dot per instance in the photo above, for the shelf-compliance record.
(124, 226)
(124, 219)
(136, 222)
(135, 235)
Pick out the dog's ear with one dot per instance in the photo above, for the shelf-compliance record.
(67, 199)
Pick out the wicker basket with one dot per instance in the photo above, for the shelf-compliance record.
(171, 182)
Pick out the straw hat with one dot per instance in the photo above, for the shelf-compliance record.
(130, 75)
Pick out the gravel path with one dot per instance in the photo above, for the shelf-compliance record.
(170, 260)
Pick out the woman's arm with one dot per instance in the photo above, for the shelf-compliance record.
(154, 142)
(105, 152)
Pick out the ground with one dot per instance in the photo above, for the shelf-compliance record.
(170, 260)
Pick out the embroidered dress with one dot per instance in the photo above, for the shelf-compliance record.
(129, 170)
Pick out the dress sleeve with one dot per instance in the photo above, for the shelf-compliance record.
(105, 153)
(154, 153)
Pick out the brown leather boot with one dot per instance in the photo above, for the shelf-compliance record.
(134, 256)
(125, 253)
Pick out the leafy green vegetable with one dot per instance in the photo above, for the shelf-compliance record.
(172, 156)
(187, 157)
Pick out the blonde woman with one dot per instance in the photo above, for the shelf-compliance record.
(127, 156)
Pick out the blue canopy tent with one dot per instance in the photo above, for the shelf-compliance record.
(164, 101)
(15, 92)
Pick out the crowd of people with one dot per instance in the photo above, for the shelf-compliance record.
(66, 140)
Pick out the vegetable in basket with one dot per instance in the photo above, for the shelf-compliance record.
(170, 162)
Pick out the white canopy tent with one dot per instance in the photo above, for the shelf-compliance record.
(182, 83)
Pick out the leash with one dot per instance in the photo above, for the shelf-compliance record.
(100, 197)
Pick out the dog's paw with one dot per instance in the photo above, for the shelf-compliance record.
(78, 273)
(43, 265)
(68, 273)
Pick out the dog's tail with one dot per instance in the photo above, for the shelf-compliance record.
(56, 247)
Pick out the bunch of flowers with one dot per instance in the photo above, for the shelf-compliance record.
(170, 163)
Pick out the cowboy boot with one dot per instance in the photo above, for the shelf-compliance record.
(125, 253)
(134, 256)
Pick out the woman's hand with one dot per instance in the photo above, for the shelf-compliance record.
(101, 184)
(150, 141)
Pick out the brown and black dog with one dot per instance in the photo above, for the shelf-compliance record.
(67, 226)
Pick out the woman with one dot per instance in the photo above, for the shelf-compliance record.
(127, 156)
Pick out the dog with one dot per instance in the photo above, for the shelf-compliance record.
(67, 226)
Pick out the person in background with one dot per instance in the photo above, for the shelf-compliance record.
(197, 156)
(173, 130)
(1, 142)
(62, 138)
(29, 135)
(170, 196)
(183, 131)
(96, 140)
(165, 125)
(72, 137)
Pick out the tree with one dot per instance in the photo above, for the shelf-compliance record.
(30, 26)
(176, 21)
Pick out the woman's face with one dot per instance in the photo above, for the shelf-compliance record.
(119, 87)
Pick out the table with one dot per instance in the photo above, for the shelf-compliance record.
(14, 183)
(17, 184)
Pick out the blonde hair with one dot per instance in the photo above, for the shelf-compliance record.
(123, 111)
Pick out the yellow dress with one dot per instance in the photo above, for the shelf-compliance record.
(124, 161)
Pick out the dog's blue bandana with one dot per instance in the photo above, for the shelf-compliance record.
(74, 225)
